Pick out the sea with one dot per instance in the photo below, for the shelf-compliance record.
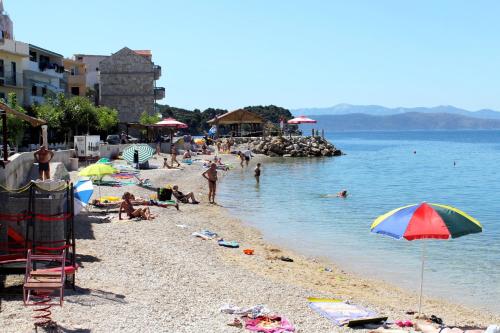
(295, 206)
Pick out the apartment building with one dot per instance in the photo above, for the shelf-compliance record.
(43, 75)
(75, 76)
(12, 55)
(127, 83)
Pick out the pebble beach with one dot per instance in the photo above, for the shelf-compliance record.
(154, 276)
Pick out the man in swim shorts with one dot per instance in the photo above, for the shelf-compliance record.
(43, 157)
(184, 198)
(211, 176)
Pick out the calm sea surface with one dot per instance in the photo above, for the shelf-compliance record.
(294, 206)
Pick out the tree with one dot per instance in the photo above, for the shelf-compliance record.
(15, 125)
(107, 118)
(147, 119)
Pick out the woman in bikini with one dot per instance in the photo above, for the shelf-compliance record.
(127, 207)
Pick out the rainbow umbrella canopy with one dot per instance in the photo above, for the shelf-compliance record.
(425, 221)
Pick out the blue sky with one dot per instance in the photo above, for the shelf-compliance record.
(310, 53)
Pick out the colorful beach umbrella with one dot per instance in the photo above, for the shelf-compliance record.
(302, 120)
(145, 153)
(83, 192)
(425, 221)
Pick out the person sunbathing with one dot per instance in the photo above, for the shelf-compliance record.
(184, 198)
(127, 207)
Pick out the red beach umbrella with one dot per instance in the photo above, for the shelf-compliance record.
(302, 120)
(172, 124)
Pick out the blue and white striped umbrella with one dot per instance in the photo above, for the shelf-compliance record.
(83, 193)
(144, 150)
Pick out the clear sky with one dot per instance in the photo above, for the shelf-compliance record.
(309, 53)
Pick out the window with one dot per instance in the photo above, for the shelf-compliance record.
(33, 56)
(2, 68)
(44, 91)
(75, 91)
(33, 90)
(14, 70)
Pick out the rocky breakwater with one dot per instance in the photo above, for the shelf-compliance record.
(315, 146)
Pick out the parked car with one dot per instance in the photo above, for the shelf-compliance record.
(113, 139)
(131, 139)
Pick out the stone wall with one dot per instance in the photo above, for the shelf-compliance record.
(297, 146)
(127, 84)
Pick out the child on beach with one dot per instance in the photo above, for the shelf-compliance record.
(211, 176)
(257, 172)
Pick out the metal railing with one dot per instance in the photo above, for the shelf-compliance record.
(8, 78)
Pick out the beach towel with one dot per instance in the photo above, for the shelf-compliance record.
(252, 312)
(339, 312)
(231, 244)
(271, 324)
(205, 234)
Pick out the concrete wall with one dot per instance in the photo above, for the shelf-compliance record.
(15, 174)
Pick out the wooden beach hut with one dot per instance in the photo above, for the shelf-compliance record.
(240, 122)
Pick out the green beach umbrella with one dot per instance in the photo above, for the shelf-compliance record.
(145, 153)
(425, 221)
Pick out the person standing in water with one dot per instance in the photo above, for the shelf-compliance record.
(211, 176)
(257, 173)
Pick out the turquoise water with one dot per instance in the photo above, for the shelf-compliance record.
(295, 206)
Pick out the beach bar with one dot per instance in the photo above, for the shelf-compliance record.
(240, 122)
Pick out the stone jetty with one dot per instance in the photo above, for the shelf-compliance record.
(296, 146)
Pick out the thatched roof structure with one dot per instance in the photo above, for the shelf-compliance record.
(237, 117)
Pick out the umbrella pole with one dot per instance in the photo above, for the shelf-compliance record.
(424, 247)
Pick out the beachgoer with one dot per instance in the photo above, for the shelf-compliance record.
(230, 143)
(187, 155)
(184, 198)
(342, 194)
(211, 176)
(187, 142)
(173, 156)
(127, 207)
(242, 158)
(158, 145)
(43, 156)
(257, 172)
(248, 155)
(123, 138)
(219, 145)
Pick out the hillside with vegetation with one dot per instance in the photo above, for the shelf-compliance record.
(197, 119)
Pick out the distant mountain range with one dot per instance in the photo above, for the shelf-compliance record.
(377, 110)
(405, 121)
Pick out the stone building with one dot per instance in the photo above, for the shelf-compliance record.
(127, 83)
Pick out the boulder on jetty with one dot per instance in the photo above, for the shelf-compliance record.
(296, 146)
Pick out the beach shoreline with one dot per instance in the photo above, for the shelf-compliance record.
(154, 275)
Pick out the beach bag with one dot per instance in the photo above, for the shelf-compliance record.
(164, 194)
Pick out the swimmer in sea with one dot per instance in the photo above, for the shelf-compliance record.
(342, 194)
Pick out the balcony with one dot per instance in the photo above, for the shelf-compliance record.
(46, 68)
(157, 71)
(11, 79)
(77, 80)
(159, 93)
